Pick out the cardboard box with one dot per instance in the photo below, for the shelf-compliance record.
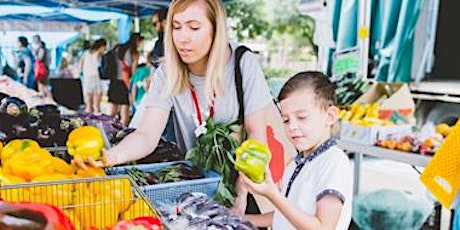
(395, 100)
(368, 135)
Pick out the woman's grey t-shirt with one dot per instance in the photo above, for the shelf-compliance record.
(226, 107)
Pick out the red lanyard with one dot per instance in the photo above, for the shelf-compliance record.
(197, 106)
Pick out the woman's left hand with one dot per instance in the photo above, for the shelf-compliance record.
(266, 188)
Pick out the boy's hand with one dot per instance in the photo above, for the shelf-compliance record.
(267, 188)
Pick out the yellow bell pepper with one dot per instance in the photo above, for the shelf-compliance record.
(29, 164)
(92, 211)
(70, 213)
(1, 147)
(119, 192)
(91, 172)
(84, 142)
(13, 194)
(61, 167)
(138, 209)
(16, 146)
(53, 194)
(252, 158)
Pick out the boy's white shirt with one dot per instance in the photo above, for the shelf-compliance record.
(330, 170)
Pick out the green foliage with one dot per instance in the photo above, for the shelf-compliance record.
(288, 20)
(277, 73)
(106, 30)
(214, 150)
(248, 19)
(146, 28)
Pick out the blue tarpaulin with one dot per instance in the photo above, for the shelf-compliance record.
(138, 8)
(60, 14)
(392, 38)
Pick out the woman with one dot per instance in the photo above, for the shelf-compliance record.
(25, 63)
(92, 85)
(198, 70)
(41, 55)
(128, 56)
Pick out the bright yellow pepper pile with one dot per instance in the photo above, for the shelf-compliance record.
(16, 146)
(95, 204)
(29, 163)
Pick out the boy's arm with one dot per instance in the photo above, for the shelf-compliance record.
(261, 220)
(328, 208)
(327, 212)
(255, 128)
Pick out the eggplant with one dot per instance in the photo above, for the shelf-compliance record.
(3, 95)
(45, 136)
(3, 137)
(49, 115)
(13, 106)
(164, 152)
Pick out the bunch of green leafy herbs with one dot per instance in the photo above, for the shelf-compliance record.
(214, 150)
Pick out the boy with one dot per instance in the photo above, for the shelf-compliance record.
(317, 185)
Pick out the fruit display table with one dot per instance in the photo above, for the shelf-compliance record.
(395, 155)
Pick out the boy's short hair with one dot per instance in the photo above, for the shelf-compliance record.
(318, 82)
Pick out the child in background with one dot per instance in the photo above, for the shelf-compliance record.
(140, 83)
(317, 185)
(64, 71)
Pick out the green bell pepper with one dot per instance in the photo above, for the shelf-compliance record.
(252, 158)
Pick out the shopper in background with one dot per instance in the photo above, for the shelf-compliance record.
(140, 82)
(128, 58)
(317, 186)
(92, 85)
(158, 24)
(41, 61)
(157, 55)
(64, 70)
(197, 78)
(25, 63)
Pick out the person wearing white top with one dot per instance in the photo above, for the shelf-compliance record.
(92, 85)
(317, 185)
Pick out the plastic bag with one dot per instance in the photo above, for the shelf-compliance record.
(390, 209)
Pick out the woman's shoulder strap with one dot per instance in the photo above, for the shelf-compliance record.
(239, 81)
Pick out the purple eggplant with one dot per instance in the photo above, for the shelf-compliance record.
(48, 115)
(13, 106)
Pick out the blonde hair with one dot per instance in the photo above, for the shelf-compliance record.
(176, 70)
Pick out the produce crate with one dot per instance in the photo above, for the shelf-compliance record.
(159, 194)
(91, 202)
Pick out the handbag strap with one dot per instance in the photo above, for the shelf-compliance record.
(239, 81)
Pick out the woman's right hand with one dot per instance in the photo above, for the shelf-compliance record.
(106, 160)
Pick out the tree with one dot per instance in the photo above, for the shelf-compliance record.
(287, 20)
(247, 19)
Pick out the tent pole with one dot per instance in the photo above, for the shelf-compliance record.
(364, 23)
(136, 24)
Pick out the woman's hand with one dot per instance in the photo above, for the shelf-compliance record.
(267, 188)
(106, 160)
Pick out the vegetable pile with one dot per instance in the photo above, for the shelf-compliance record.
(173, 173)
(195, 211)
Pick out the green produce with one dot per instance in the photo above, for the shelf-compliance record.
(252, 159)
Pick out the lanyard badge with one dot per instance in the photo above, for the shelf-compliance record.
(200, 122)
